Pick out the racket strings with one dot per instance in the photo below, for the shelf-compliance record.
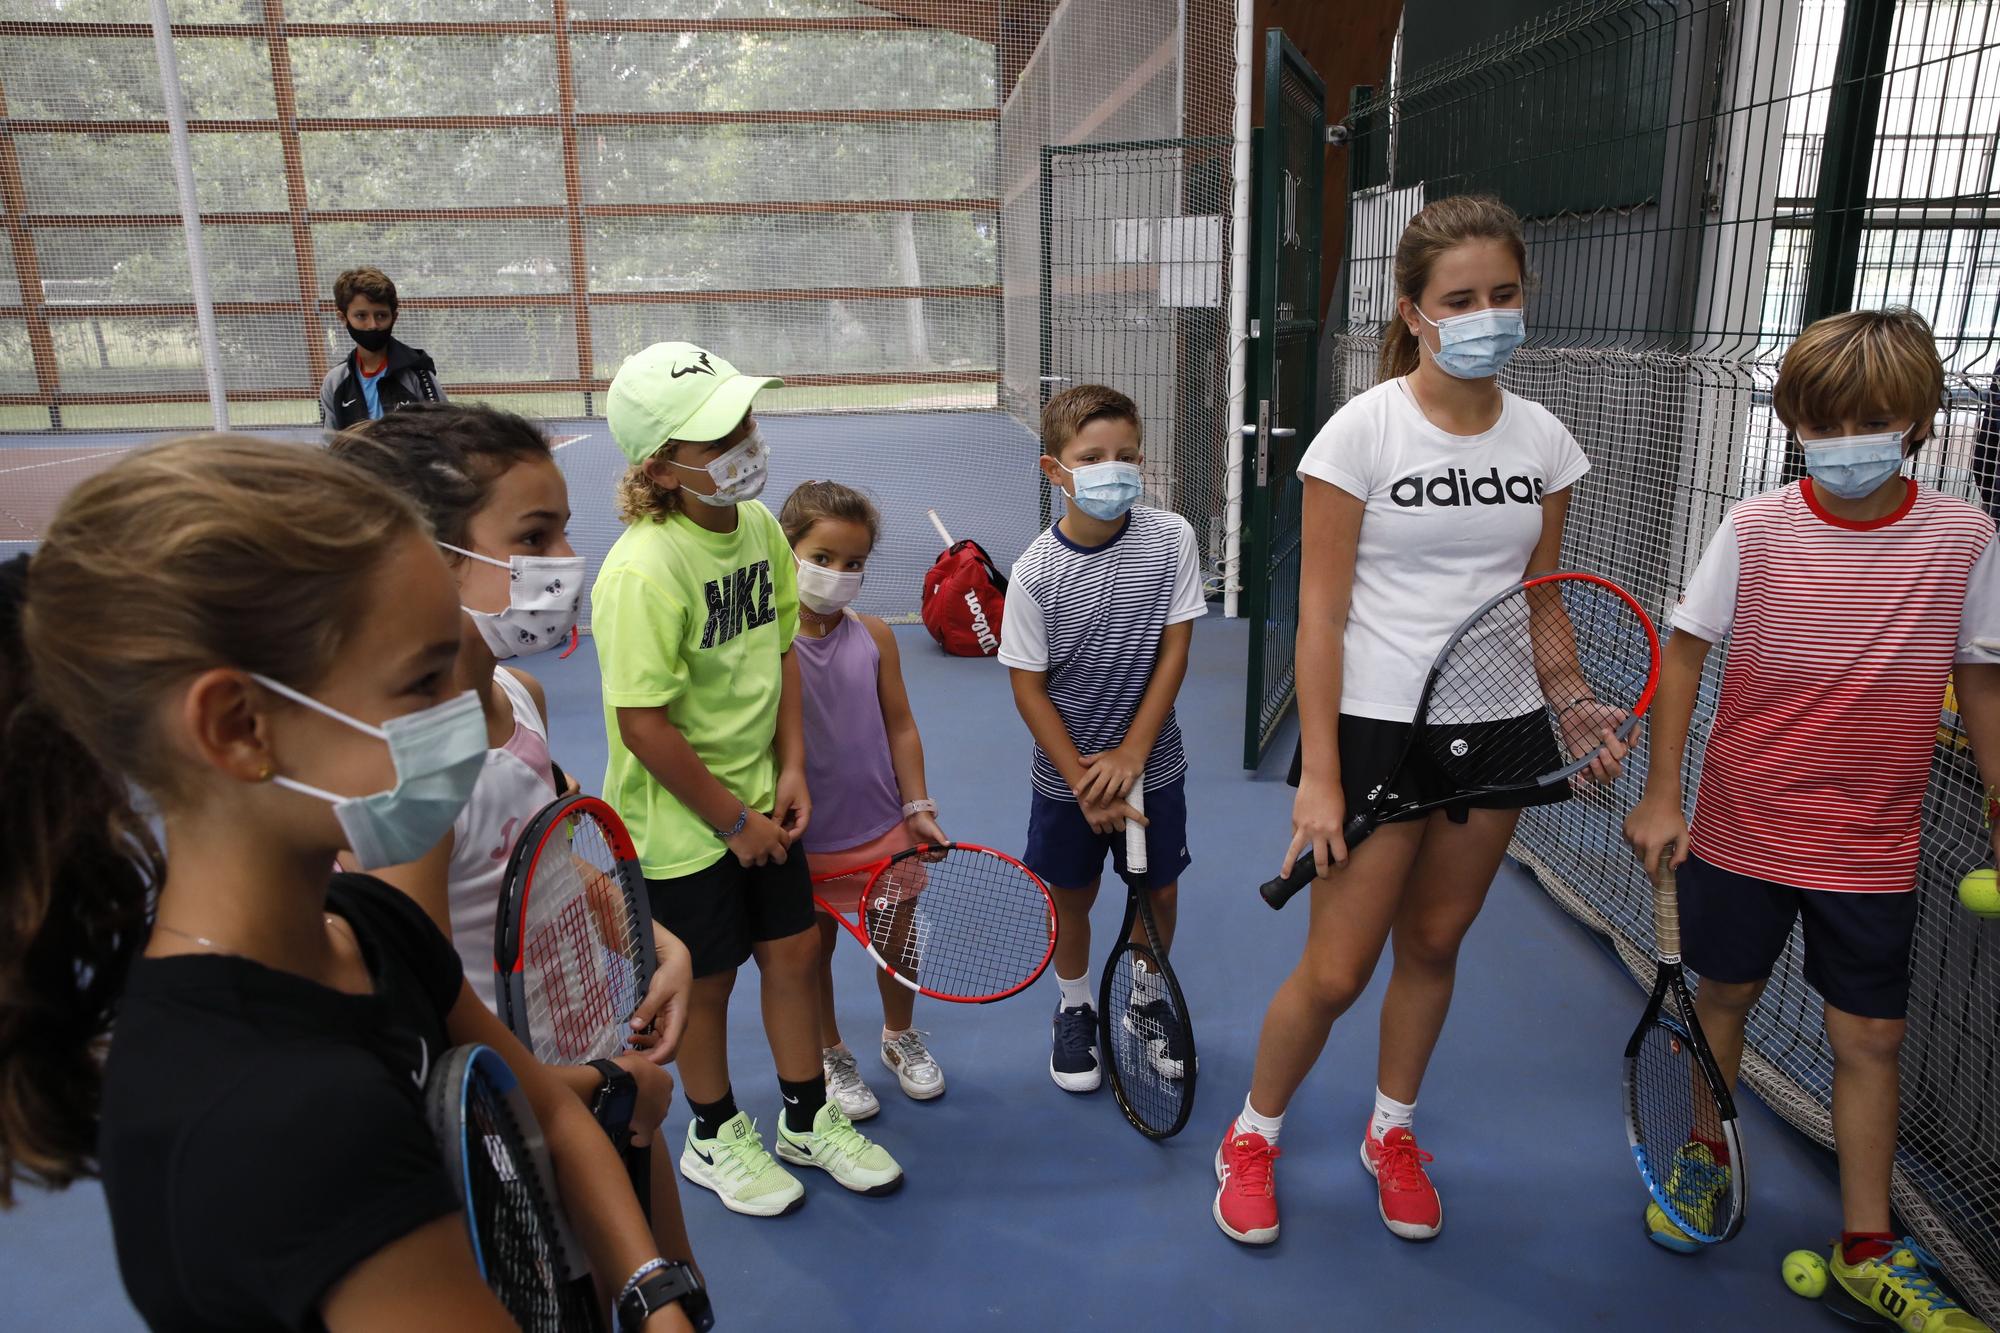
(1679, 1135)
(971, 925)
(524, 1261)
(1533, 684)
(580, 948)
(1151, 1042)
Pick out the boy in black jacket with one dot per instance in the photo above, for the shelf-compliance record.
(381, 374)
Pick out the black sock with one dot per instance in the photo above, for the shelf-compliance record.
(710, 1117)
(802, 1102)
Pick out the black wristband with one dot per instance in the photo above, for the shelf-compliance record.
(660, 1288)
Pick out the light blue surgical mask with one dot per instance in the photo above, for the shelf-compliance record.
(1106, 490)
(439, 753)
(1477, 345)
(1851, 466)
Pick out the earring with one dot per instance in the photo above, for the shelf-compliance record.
(265, 773)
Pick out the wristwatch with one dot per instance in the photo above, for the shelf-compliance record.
(617, 1101)
(660, 1288)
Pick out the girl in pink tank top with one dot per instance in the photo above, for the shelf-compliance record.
(864, 767)
(488, 483)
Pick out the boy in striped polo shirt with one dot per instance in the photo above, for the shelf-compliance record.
(1099, 616)
(1849, 598)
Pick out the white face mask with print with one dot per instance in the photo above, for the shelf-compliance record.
(739, 474)
(542, 596)
(827, 591)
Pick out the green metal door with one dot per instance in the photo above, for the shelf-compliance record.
(1284, 377)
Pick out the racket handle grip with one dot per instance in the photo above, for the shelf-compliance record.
(1135, 833)
(1279, 891)
(938, 523)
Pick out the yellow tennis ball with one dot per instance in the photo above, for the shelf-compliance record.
(1805, 1273)
(1980, 893)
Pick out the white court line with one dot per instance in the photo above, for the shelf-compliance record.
(62, 462)
(565, 440)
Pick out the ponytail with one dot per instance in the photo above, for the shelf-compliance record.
(76, 888)
(1399, 350)
(1436, 228)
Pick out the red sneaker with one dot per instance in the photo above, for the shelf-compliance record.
(1410, 1204)
(1246, 1200)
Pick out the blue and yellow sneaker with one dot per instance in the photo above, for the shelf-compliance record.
(1696, 1184)
(1896, 1290)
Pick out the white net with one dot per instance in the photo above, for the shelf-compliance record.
(847, 195)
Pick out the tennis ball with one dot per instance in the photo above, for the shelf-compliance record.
(1805, 1273)
(1980, 893)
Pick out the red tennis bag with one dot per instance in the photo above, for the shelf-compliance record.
(965, 595)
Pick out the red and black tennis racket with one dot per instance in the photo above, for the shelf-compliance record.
(573, 943)
(953, 921)
(1518, 700)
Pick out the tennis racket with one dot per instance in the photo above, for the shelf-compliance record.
(1142, 1017)
(1518, 700)
(953, 921)
(493, 1151)
(573, 945)
(1679, 1116)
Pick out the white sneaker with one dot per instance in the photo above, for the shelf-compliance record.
(915, 1069)
(844, 1084)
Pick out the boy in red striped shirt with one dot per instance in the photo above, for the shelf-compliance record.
(1848, 598)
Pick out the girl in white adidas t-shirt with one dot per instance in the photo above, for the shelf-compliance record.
(1423, 496)
(488, 482)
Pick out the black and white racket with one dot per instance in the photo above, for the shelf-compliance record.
(1142, 1017)
(1679, 1116)
(1518, 700)
(493, 1151)
(573, 944)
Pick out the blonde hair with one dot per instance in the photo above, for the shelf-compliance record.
(1441, 226)
(208, 551)
(813, 501)
(1074, 408)
(640, 498)
(1850, 366)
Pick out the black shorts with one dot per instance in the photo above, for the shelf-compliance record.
(724, 908)
(1734, 929)
(1370, 749)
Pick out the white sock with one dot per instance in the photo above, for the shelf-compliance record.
(1390, 1114)
(888, 1037)
(1075, 990)
(1253, 1121)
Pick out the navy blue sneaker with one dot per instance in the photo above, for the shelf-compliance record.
(1073, 1053)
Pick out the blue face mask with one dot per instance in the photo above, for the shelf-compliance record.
(1106, 490)
(439, 752)
(1851, 466)
(1475, 346)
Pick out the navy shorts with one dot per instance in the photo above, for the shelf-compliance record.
(1370, 749)
(721, 910)
(1065, 851)
(1734, 929)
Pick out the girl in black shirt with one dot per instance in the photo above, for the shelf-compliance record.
(191, 612)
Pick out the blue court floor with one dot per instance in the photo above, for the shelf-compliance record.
(1030, 1208)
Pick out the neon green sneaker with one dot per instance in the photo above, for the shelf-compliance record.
(1896, 1291)
(836, 1147)
(737, 1166)
(1696, 1183)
